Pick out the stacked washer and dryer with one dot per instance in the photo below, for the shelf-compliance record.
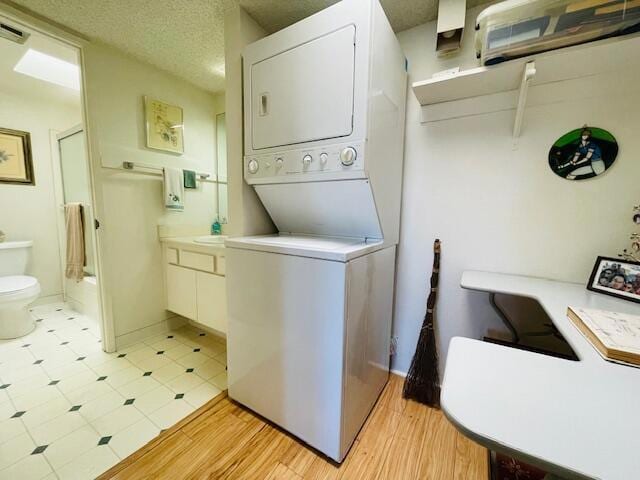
(310, 308)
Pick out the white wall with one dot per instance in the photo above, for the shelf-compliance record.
(30, 212)
(495, 204)
(130, 205)
(247, 216)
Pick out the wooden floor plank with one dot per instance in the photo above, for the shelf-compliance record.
(281, 472)
(401, 440)
(472, 460)
(438, 458)
(260, 457)
(405, 451)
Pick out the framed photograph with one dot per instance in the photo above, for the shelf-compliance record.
(164, 126)
(616, 277)
(16, 163)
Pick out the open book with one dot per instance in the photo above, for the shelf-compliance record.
(615, 335)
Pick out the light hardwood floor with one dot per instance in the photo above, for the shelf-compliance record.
(402, 440)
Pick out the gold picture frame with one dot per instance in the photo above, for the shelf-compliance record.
(164, 126)
(16, 161)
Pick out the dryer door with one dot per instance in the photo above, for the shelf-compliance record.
(305, 93)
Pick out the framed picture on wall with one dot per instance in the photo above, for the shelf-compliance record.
(164, 126)
(616, 277)
(16, 163)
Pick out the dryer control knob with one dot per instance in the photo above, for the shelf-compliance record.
(323, 159)
(348, 156)
(306, 160)
(253, 166)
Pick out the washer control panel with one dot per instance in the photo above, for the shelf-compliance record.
(332, 159)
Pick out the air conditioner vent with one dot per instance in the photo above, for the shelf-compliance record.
(13, 34)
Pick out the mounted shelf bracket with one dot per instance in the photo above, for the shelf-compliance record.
(528, 73)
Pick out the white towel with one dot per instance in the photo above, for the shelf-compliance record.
(76, 255)
(173, 189)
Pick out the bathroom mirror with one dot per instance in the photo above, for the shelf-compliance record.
(221, 168)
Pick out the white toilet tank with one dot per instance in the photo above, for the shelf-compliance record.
(14, 257)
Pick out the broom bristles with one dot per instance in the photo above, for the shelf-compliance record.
(423, 379)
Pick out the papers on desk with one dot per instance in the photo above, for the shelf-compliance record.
(616, 336)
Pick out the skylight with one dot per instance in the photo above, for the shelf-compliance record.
(50, 69)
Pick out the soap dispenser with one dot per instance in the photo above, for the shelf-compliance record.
(216, 228)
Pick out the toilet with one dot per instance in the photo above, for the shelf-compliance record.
(17, 290)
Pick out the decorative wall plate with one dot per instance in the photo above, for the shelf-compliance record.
(583, 153)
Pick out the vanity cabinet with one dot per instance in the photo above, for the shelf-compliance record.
(181, 291)
(211, 301)
(196, 286)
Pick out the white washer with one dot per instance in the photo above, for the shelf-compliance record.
(310, 319)
(309, 310)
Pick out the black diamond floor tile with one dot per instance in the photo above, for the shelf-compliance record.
(18, 414)
(2, 387)
(104, 440)
(196, 349)
(80, 358)
(146, 374)
(38, 362)
(122, 355)
(202, 335)
(179, 396)
(39, 449)
(101, 379)
(189, 370)
(75, 408)
(64, 343)
(160, 352)
(26, 345)
(129, 401)
(54, 382)
(170, 336)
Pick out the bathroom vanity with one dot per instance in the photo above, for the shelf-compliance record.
(195, 285)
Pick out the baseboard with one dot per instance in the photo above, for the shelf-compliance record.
(212, 331)
(48, 299)
(171, 323)
(399, 373)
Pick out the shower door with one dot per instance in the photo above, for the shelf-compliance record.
(76, 187)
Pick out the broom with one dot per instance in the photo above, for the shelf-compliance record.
(423, 380)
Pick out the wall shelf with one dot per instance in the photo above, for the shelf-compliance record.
(504, 86)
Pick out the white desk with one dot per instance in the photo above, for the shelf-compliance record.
(577, 419)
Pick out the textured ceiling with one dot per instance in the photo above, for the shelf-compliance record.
(274, 15)
(186, 37)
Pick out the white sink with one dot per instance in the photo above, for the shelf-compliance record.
(211, 239)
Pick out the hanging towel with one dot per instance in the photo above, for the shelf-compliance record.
(76, 256)
(189, 179)
(173, 189)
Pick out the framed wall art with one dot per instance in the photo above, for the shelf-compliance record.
(16, 162)
(583, 153)
(164, 126)
(616, 277)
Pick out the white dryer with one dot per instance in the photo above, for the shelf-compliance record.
(310, 309)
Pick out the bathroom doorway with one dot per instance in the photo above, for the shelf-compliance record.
(41, 96)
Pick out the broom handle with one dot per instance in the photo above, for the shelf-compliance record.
(435, 275)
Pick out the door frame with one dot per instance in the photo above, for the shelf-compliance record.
(31, 21)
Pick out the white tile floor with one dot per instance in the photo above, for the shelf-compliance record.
(69, 410)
